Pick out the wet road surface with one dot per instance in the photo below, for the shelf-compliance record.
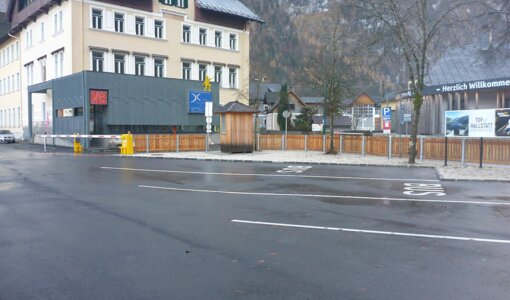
(102, 227)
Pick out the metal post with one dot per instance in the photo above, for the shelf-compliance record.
(283, 141)
(463, 151)
(286, 121)
(147, 145)
(421, 147)
(362, 146)
(445, 151)
(389, 147)
(45, 144)
(323, 143)
(306, 142)
(481, 152)
(258, 141)
(206, 142)
(177, 143)
(340, 146)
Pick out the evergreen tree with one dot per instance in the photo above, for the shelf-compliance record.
(283, 105)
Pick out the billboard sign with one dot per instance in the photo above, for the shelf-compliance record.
(197, 100)
(502, 122)
(98, 97)
(478, 123)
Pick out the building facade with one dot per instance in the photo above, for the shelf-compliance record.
(179, 39)
(10, 85)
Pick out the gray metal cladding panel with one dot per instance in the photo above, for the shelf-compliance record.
(144, 100)
(68, 91)
(68, 125)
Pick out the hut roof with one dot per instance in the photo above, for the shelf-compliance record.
(235, 106)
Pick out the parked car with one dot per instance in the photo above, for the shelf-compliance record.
(7, 137)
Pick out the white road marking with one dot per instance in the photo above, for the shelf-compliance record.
(271, 175)
(322, 196)
(430, 236)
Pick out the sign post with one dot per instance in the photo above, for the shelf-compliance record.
(208, 120)
(286, 115)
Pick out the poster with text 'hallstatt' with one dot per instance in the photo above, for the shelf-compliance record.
(478, 123)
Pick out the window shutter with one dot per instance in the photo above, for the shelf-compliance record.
(174, 2)
(185, 3)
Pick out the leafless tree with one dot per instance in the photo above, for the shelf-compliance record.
(330, 70)
(409, 29)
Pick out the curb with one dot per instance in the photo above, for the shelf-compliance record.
(275, 162)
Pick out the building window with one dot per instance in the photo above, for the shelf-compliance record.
(139, 25)
(42, 65)
(159, 66)
(17, 50)
(232, 78)
(28, 37)
(186, 33)
(181, 3)
(217, 39)
(139, 65)
(120, 62)
(119, 22)
(97, 61)
(57, 22)
(59, 63)
(186, 70)
(158, 29)
(233, 42)
(17, 82)
(42, 31)
(202, 72)
(217, 74)
(202, 36)
(97, 19)
(30, 74)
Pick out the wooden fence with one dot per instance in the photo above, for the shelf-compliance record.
(169, 142)
(496, 151)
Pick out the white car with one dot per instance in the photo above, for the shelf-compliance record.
(7, 137)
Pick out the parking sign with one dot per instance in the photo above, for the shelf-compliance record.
(386, 118)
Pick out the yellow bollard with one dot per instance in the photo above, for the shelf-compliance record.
(127, 147)
(77, 146)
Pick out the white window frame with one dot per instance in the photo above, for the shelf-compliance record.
(233, 42)
(202, 72)
(186, 34)
(119, 63)
(42, 32)
(218, 73)
(159, 32)
(58, 61)
(57, 22)
(186, 67)
(233, 77)
(218, 42)
(98, 63)
(96, 21)
(159, 72)
(202, 36)
(140, 27)
(140, 68)
(121, 23)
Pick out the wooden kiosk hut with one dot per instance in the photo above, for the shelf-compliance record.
(236, 125)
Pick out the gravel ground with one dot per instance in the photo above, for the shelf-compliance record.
(454, 170)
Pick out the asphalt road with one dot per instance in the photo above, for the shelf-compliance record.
(103, 227)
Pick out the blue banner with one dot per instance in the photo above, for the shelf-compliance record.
(197, 100)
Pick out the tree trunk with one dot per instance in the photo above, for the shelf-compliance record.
(418, 100)
(331, 134)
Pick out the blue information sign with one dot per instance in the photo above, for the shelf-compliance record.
(197, 100)
(386, 113)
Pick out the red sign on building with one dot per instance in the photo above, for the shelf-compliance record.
(98, 97)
